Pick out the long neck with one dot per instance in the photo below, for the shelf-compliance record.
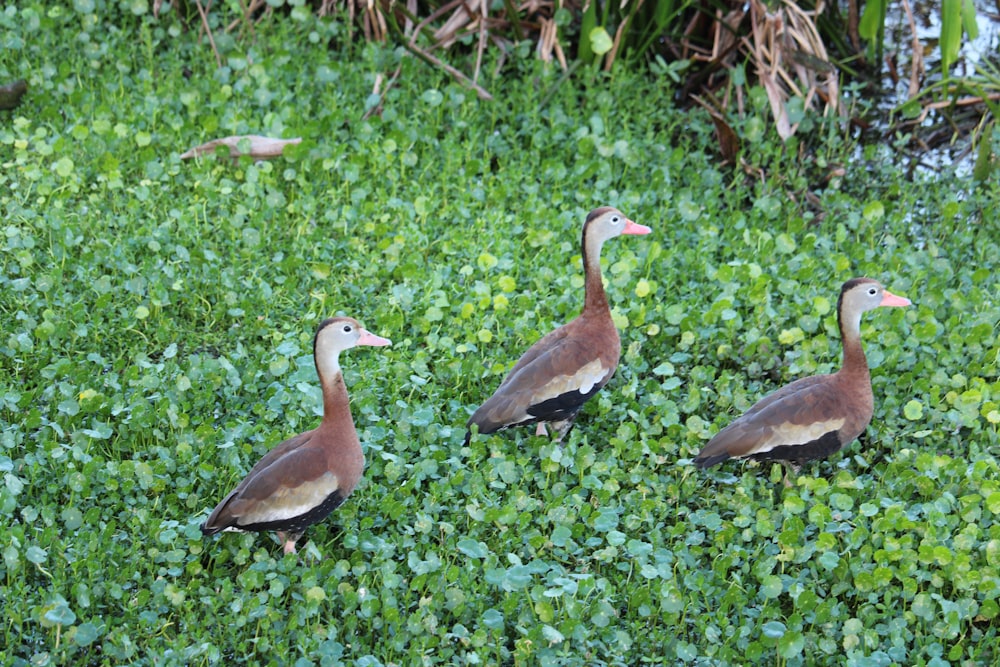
(336, 404)
(341, 435)
(595, 300)
(850, 333)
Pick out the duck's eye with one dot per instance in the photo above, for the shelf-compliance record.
(615, 220)
(347, 328)
(872, 291)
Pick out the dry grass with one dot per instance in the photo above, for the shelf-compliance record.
(785, 49)
(784, 45)
(780, 42)
(440, 29)
(791, 61)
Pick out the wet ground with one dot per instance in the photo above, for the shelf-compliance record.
(942, 137)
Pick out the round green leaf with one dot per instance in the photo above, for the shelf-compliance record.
(493, 619)
(86, 634)
(773, 629)
(790, 644)
(770, 586)
(64, 166)
(60, 614)
(913, 410)
(600, 41)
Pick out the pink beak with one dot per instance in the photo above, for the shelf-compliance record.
(890, 299)
(635, 228)
(368, 338)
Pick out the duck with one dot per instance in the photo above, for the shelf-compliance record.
(302, 480)
(816, 416)
(566, 367)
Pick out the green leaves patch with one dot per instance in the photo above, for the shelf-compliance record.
(158, 321)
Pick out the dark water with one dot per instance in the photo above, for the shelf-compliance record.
(942, 140)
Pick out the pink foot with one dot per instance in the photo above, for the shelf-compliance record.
(288, 541)
(540, 429)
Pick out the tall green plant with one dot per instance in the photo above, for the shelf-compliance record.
(647, 22)
(872, 26)
(641, 25)
(956, 16)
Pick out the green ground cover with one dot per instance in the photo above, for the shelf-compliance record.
(157, 318)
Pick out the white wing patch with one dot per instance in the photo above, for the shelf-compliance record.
(798, 434)
(582, 381)
(289, 503)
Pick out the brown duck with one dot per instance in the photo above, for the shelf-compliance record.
(815, 416)
(560, 372)
(303, 479)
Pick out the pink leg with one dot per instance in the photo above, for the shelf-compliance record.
(288, 540)
(540, 429)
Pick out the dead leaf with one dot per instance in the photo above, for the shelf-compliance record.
(776, 97)
(261, 148)
(729, 142)
(791, 60)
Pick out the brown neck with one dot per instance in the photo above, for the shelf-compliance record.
(336, 405)
(339, 434)
(595, 298)
(854, 353)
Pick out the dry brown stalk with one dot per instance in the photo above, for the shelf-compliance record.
(729, 141)
(437, 62)
(248, 11)
(763, 33)
(411, 6)
(433, 16)
(548, 42)
(917, 62)
(351, 16)
(960, 102)
(791, 60)
(484, 35)
(609, 59)
(444, 35)
(373, 24)
(725, 28)
(377, 109)
(208, 31)
(686, 42)
(853, 23)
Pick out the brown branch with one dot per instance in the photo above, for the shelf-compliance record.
(247, 12)
(963, 101)
(411, 5)
(377, 108)
(917, 64)
(480, 91)
(484, 35)
(437, 13)
(944, 104)
(617, 43)
(610, 59)
(208, 31)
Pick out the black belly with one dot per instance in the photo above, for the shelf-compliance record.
(302, 521)
(563, 406)
(819, 448)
